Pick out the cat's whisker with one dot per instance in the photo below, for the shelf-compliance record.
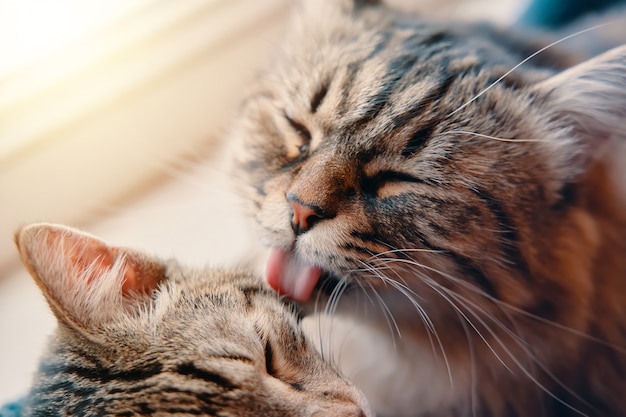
(320, 326)
(503, 305)
(448, 296)
(394, 329)
(332, 304)
(535, 361)
(510, 140)
(506, 306)
(411, 296)
(440, 290)
(430, 326)
(405, 251)
(472, 363)
(516, 338)
(528, 58)
(472, 308)
(521, 343)
(470, 347)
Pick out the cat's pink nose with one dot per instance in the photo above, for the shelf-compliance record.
(303, 216)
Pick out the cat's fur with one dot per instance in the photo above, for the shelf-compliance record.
(137, 336)
(481, 212)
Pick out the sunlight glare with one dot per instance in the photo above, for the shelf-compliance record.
(31, 30)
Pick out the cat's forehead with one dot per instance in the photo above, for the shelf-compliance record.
(206, 311)
(215, 294)
(375, 82)
(396, 92)
(385, 53)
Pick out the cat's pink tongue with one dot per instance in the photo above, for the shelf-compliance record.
(290, 276)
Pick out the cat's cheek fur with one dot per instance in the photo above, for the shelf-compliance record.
(273, 216)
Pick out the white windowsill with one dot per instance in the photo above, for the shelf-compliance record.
(96, 123)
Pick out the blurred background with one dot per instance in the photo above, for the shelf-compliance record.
(113, 114)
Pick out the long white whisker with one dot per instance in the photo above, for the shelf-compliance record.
(528, 58)
(497, 138)
(521, 343)
(331, 307)
(472, 309)
(441, 290)
(464, 301)
(411, 296)
(391, 321)
(405, 251)
(473, 288)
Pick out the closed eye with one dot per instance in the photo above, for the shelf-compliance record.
(267, 351)
(387, 183)
(269, 360)
(276, 366)
(270, 368)
(393, 176)
(302, 131)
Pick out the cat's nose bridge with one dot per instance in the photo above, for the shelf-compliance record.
(317, 193)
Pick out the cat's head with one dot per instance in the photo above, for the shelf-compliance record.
(138, 336)
(402, 157)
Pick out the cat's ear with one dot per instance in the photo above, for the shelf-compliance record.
(592, 95)
(85, 281)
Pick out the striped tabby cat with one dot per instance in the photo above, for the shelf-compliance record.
(137, 336)
(399, 169)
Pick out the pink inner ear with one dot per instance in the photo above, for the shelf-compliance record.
(85, 254)
(90, 259)
(141, 275)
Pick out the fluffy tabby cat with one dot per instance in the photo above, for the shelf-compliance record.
(400, 168)
(137, 336)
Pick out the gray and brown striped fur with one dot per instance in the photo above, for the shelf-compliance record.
(139, 337)
(478, 213)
